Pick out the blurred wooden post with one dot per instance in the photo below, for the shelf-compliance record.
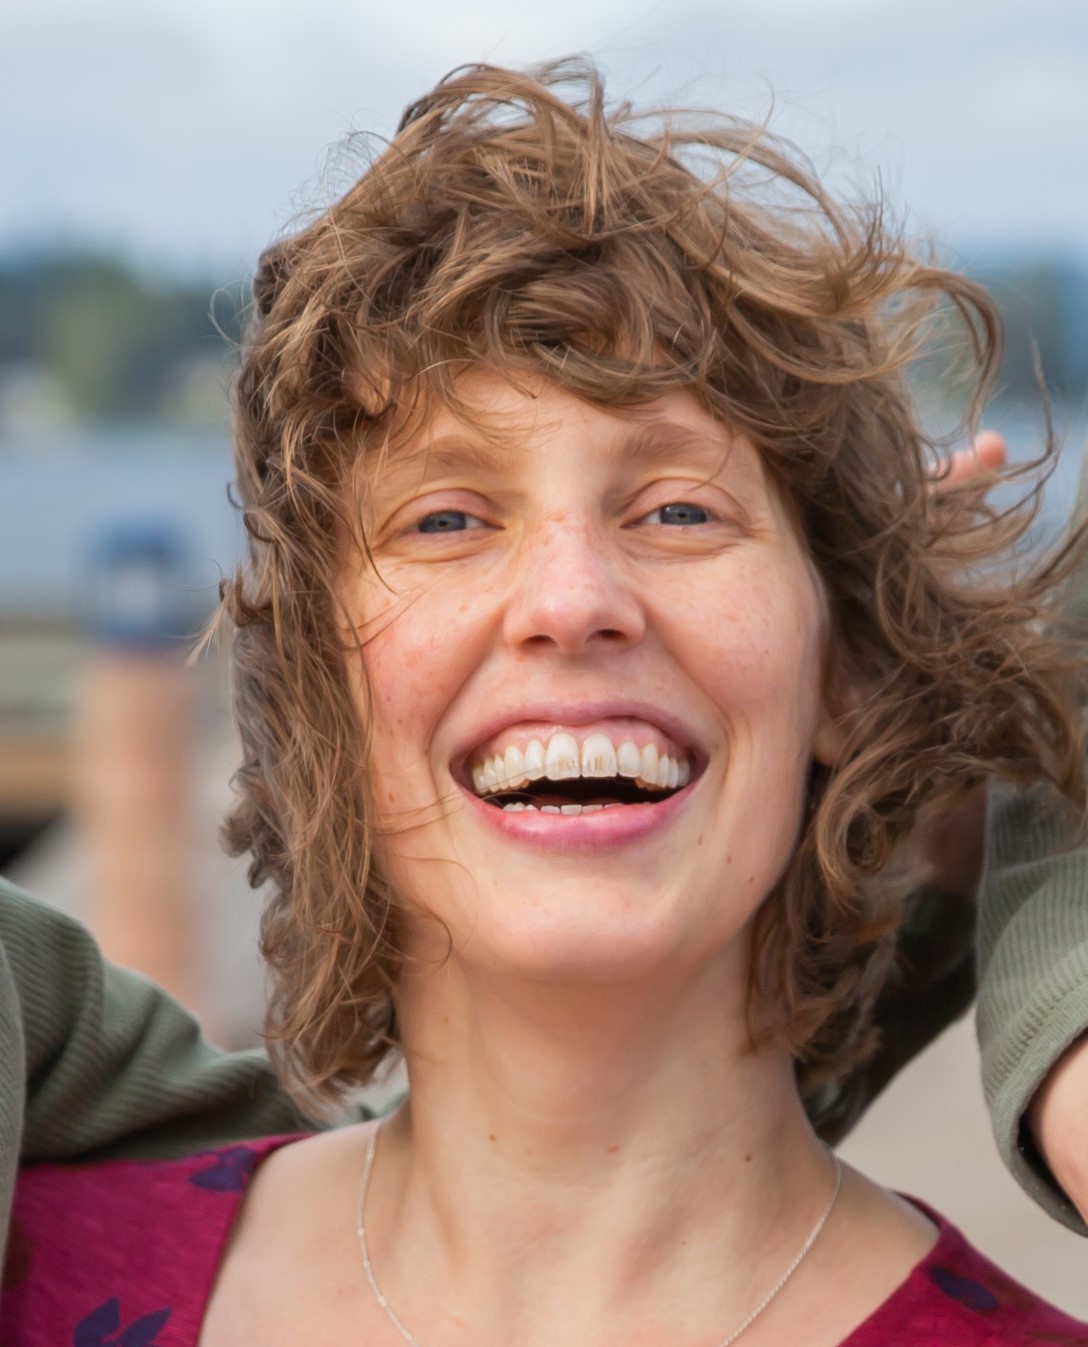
(133, 794)
(137, 725)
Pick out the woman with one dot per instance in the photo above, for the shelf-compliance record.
(598, 648)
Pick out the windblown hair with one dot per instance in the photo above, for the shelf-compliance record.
(620, 255)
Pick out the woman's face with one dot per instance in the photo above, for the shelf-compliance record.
(594, 652)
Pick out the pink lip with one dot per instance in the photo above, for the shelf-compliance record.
(574, 713)
(604, 829)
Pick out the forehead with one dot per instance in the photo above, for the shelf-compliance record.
(495, 427)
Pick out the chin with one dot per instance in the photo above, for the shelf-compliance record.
(568, 934)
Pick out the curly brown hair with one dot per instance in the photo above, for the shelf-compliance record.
(621, 255)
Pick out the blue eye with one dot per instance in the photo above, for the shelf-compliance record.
(445, 521)
(681, 513)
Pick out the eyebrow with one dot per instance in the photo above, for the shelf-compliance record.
(450, 452)
(649, 441)
(637, 444)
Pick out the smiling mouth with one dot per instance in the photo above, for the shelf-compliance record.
(565, 779)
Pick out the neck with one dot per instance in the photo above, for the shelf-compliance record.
(570, 1071)
(598, 1140)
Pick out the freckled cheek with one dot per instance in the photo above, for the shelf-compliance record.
(759, 651)
(415, 666)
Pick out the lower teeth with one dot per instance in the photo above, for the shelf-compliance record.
(516, 807)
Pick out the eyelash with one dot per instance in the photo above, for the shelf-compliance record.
(687, 505)
(418, 527)
(469, 522)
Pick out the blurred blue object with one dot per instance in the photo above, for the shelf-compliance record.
(135, 580)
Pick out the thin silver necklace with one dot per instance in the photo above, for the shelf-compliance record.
(391, 1315)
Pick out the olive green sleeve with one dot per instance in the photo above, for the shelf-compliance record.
(95, 1060)
(1033, 954)
(1033, 965)
(12, 1088)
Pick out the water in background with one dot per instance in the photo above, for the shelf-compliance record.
(60, 499)
(1022, 426)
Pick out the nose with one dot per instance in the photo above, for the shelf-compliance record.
(570, 592)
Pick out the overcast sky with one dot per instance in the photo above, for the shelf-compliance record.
(186, 131)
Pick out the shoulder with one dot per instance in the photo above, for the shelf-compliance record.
(268, 1282)
(122, 1247)
(956, 1296)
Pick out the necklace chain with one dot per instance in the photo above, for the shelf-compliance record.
(391, 1315)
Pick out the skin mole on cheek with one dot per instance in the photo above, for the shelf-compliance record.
(611, 1150)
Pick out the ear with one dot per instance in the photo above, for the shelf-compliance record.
(844, 693)
(829, 742)
(842, 697)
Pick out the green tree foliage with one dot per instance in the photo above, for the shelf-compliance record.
(116, 342)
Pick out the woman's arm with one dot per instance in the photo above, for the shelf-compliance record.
(94, 1059)
(1058, 1119)
(1033, 1000)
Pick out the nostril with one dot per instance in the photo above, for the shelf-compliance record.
(609, 635)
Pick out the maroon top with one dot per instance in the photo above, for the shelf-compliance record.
(123, 1254)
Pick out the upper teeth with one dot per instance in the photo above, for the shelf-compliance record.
(562, 760)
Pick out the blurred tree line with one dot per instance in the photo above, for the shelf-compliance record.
(118, 345)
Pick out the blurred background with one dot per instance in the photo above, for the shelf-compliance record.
(150, 152)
